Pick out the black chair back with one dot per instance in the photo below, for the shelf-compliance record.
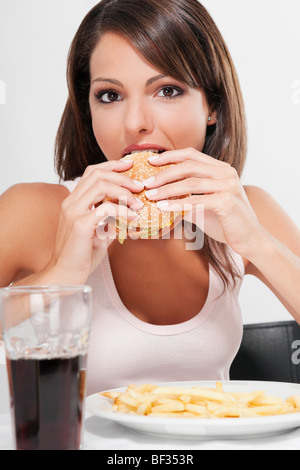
(269, 351)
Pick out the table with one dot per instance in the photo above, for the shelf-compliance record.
(101, 434)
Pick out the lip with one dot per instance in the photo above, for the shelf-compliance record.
(142, 147)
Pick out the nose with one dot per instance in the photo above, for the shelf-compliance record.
(138, 117)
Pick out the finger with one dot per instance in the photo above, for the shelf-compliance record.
(88, 225)
(193, 186)
(98, 176)
(85, 226)
(188, 169)
(217, 202)
(93, 172)
(186, 205)
(96, 193)
(192, 208)
(111, 165)
(180, 155)
(110, 210)
(106, 232)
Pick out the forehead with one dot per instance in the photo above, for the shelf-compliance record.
(114, 54)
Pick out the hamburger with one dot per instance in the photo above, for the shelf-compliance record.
(153, 223)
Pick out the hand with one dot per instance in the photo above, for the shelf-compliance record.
(79, 246)
(215, 191)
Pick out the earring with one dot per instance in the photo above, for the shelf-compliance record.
(209, 118)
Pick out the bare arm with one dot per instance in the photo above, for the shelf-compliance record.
(29, 216)
(275, 257)
(247, 219)
(50, 236)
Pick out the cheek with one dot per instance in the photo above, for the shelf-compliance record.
(190, 130)
(104, 132)
(98, 130)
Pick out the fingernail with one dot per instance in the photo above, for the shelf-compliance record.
(151, 193)
(137, 205)
(149, 181)
(139, 184)
(155, 157)
(162, 205)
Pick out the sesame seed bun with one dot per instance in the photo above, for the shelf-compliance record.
(153, 223)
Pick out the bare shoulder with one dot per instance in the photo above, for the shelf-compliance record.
(270, 213)
(274, 218)
(31, 190)
(30, 212)
(27, 200)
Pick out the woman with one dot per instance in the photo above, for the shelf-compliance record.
(146, 74)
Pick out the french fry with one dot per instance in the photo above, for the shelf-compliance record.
(127, 400)
(144, 408)
(198, 402)
(145, 388)
(112, 395)
(269, 410)
(294, 400)
(250, 397)
(168, 407)
(196, 392)
(266, 400)
(196, 409)
(184, 414)
(227, 412)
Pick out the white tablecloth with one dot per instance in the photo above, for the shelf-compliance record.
(101, 434)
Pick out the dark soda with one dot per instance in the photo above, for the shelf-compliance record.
(47, 399)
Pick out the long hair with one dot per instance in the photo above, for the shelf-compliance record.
(180, 39)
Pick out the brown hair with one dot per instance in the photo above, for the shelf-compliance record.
(180, 39)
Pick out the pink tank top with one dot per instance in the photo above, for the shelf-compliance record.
(124, 349)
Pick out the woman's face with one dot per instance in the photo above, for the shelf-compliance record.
(134, 106)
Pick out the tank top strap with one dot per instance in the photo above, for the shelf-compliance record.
(71, 184)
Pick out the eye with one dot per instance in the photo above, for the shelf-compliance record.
(107, 96)
(170, 91)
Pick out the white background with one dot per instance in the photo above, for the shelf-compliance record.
(263, 37)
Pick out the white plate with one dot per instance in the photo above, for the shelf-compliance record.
(205, 428)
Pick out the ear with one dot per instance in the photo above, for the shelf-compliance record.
(212, 118)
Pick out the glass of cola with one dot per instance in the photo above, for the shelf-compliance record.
(46, 336)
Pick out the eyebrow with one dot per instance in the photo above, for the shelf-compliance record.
(117, 83)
